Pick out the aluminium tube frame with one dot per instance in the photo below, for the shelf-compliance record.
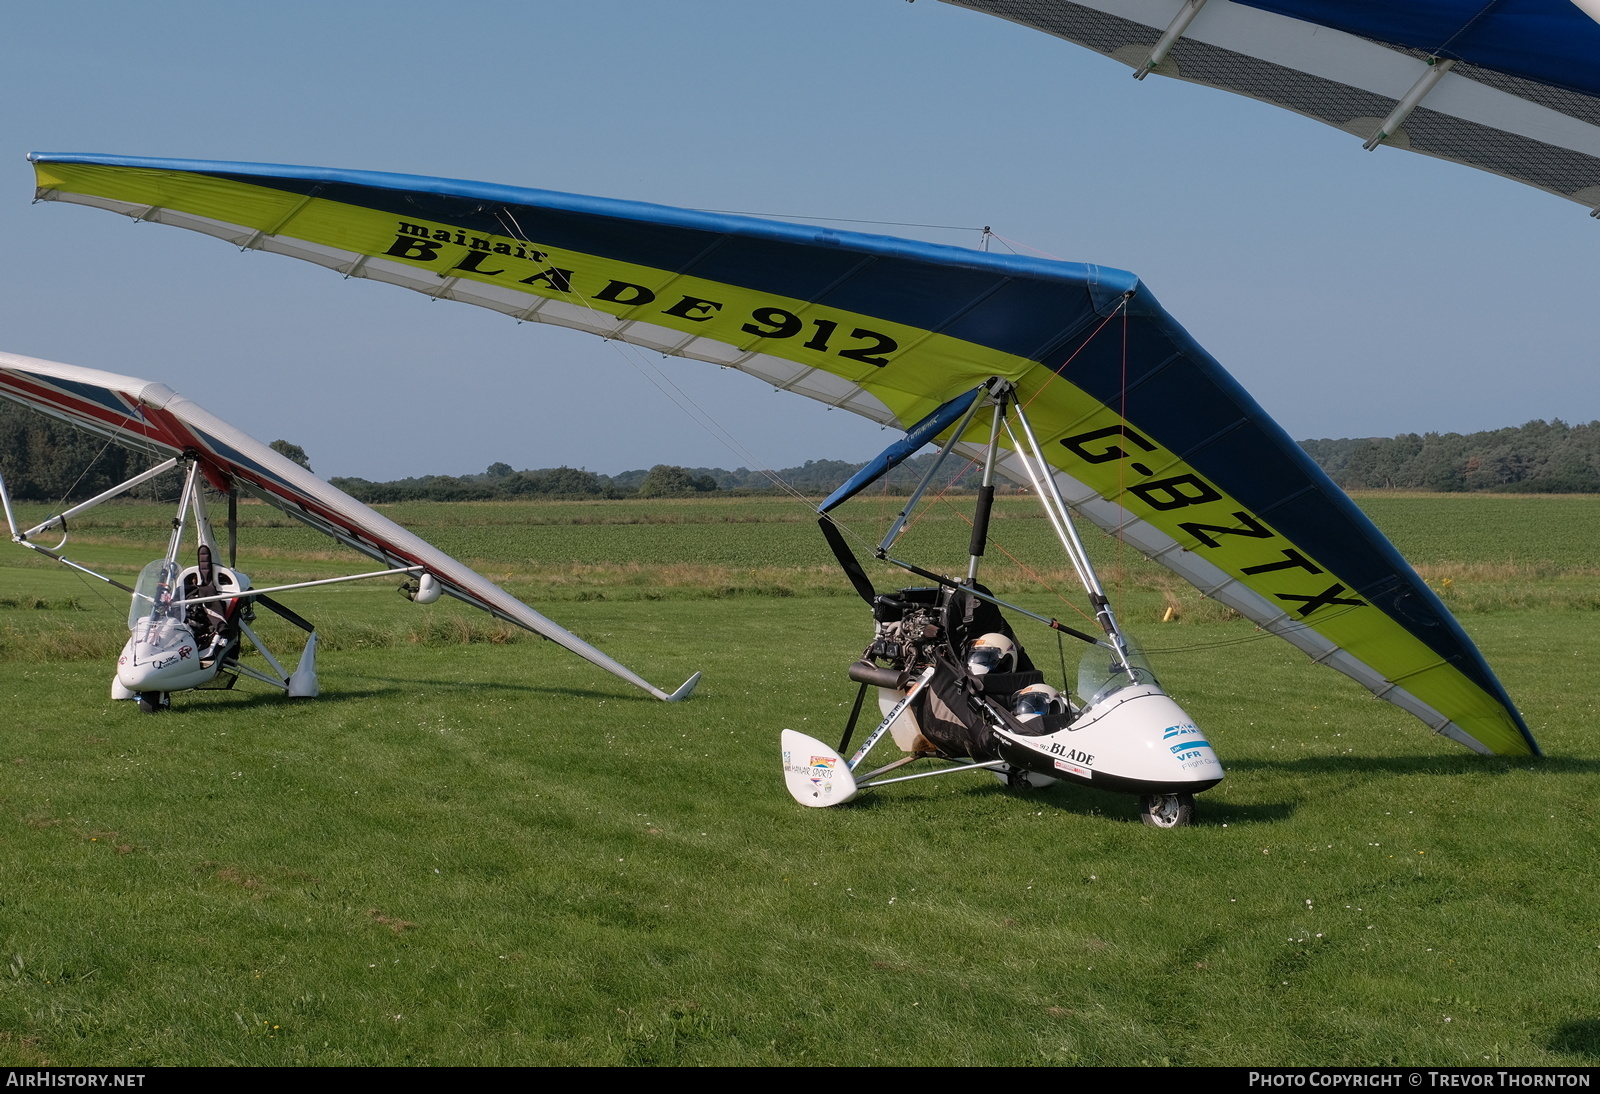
(21, 537)
(185, 502)
(1000, 397)
(916, 495)
(1055, 507)
(246, 594)
(106, 495)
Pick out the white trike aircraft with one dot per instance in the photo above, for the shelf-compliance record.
(187, 622)
(959, 689)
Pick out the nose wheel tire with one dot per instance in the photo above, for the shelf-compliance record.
(153, 702)
(1167, 810)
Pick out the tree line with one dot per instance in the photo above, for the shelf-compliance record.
(44, 459)
(1538, 458)
(814, 477)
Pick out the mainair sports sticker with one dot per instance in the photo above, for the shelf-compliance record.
(818, 771)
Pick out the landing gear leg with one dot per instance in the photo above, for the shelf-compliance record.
(153, 702)
(1167, 810)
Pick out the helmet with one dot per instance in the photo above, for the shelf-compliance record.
(992, 652)
(1038, 699)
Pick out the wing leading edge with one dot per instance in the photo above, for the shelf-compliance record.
(153, 418)
(1150, 438)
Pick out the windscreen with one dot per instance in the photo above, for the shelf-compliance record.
(1101, 672)
(153, 594)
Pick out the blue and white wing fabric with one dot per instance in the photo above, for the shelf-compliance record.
(1506, 86)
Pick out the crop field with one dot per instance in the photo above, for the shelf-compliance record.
(474, 848)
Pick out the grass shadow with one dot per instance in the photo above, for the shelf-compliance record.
(1088, 802)
(1209, 812)
(1580, 1037)
(1420, 765)
(232, 701)
(503, 686)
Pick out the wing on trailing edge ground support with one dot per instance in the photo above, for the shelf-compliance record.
(1150, 437)
(153, 418)
(1511, 87)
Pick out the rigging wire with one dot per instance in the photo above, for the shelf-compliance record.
(1055, 373)
(852, 220)
(1260, 633)
(928, 508)
(111, 438)
(1009, 242)
(86, 467)
(99, 592)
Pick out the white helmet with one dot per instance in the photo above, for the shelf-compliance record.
(992, 652)
(1036, 700)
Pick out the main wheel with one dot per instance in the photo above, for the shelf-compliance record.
(153, 702)
(1167, 810)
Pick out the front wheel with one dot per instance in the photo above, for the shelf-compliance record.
(153, 702)
(1167, 810)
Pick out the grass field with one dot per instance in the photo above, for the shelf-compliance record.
(475, 848)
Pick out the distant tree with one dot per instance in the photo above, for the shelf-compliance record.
(668, 481)
(44, 459)
(291, 451)
(557, 481)
(499, 470)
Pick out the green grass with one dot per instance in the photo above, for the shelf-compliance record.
(473, 850)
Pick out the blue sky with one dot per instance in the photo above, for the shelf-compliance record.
(1352, 293)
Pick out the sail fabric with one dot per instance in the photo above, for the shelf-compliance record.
(1149, 436)
(1521, 97)
(151, 417)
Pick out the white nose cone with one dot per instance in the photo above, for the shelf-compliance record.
(161, 656)
(815, 774)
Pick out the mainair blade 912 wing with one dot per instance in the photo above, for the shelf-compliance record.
(1146, 434)
(1510, 87)
(152, 418)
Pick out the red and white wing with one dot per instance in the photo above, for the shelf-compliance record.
(151, 417)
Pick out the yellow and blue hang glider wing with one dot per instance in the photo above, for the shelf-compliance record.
(1149, 436)
(1510, 87)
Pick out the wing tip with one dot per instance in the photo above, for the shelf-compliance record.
(683, 692)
